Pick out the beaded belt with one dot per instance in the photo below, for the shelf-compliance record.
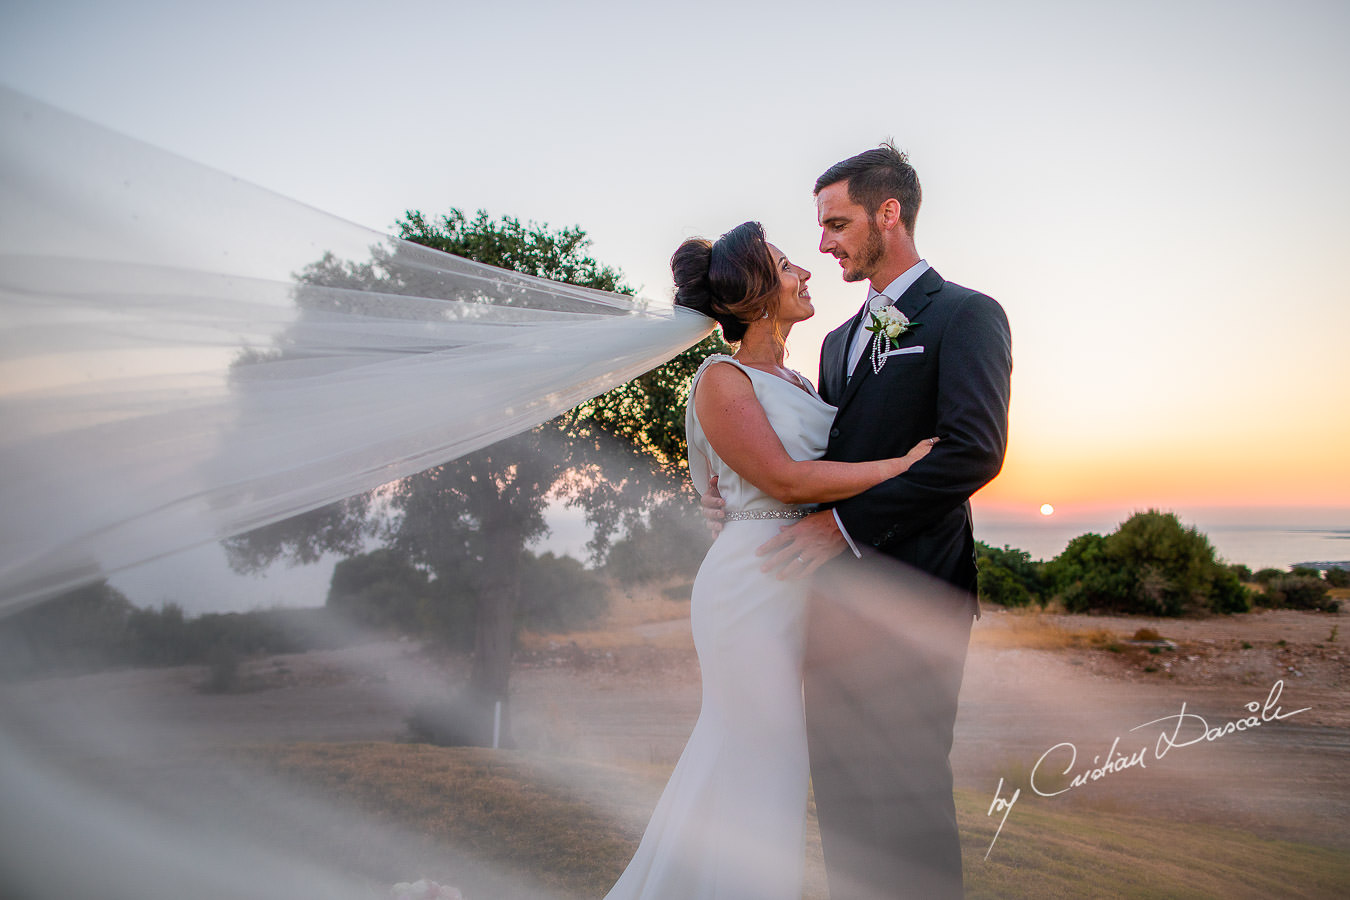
(765, 514)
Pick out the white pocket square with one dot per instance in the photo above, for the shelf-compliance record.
(903, 351)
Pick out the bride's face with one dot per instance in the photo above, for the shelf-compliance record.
(794, 299)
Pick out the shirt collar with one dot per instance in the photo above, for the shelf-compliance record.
(897, 288)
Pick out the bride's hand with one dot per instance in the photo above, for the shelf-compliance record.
(712, 503)
(918, 451)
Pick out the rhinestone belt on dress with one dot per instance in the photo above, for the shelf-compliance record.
(765, 514)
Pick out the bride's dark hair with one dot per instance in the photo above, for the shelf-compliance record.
(733, 280)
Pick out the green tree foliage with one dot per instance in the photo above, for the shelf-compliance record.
(1263, 577)
(1228, 594)
(381, 590)
(95, 627)
(161, 637)
(166, 637)
(1086, 575)
(671, 542)
(1295, 591)
(1009, 577)
(531, 249)
(470, 522)
(1152, 565)
(1338, 578)
(78, 631)
(558, 593)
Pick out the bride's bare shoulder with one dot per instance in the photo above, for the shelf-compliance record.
(720, 376)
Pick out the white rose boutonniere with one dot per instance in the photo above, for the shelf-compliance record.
(888, 323)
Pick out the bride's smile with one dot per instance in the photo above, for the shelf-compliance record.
(794, 297)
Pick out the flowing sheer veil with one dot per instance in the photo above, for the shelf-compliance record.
(186, 357)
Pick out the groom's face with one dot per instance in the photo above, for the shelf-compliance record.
(847, 232)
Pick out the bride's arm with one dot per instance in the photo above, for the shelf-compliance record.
(739, 431)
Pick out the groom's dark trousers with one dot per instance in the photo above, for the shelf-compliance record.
(887, 634)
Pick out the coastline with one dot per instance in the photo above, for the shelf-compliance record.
(1256, 545)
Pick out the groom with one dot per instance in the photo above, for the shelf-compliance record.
(891, 615)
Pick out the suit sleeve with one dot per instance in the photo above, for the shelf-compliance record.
(973, 385)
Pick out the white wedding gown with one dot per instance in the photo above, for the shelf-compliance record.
(730, 822)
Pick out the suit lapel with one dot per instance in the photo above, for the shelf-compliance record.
(834, 360)
(912, 302)
(920, 294)
(861, 373)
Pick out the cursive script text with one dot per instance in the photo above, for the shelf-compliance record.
(1184, 729)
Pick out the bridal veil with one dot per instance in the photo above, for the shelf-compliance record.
(175, 368)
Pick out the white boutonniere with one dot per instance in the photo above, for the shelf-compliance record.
(888, 323)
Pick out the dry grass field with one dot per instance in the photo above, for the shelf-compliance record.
(517, 812)
(314, 763)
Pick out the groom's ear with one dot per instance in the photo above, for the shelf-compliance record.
(888, 215)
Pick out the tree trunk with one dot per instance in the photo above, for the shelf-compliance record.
(494, 641)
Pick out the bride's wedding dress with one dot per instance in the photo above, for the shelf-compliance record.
(730, 822)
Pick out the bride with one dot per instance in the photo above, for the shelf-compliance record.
(730, 822)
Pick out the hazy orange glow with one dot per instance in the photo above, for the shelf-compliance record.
(1270, 467)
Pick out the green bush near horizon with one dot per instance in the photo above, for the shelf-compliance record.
(1151, 565)
(95, 627)
(1300, 591)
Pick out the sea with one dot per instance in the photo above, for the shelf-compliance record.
(1256, 545)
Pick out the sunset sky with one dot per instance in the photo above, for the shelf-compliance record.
(1156, 192)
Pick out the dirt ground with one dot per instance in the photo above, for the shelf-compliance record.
(628, 695)
(1284, 778)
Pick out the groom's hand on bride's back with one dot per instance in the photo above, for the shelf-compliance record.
(712, 505)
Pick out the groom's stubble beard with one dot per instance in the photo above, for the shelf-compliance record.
(868, 256)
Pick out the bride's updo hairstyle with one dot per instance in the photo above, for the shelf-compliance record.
(732, 280)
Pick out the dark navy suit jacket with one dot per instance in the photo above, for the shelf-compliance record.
(957, 388)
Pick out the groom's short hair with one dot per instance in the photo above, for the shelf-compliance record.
(875, 176)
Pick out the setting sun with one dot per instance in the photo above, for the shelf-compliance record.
(1047, 509)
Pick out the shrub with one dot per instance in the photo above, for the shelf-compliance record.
(1263, 577)
(1151, 565)
(1227, 593)
(1085, 576)
(1300, 592)
(558, 593)
(222, 666)
(1009, 577)
(160, 637)
(95, 627)
(998, 585)
(671, 543)
(78, 631)
(380, 589)
(1338, 577)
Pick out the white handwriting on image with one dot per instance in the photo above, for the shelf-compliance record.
(1181, 730)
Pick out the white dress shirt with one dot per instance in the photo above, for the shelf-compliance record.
(876, 301)
(858, 348)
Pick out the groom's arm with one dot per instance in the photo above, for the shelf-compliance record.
(974, 375)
